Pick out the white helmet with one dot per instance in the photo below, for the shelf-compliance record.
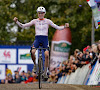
(41, 9)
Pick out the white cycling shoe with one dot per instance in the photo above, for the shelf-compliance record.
(34, 69)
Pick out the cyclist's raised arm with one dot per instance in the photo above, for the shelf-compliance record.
(58, 27)
(23, 25)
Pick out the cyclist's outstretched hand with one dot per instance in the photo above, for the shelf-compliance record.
(15, 19)
(66, 25)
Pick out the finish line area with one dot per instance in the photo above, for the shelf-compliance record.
(46, 86)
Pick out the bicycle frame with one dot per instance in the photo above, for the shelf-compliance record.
(40, 65)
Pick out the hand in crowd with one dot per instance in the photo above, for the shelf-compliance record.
(90, 67)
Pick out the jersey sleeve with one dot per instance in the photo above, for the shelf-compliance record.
(26, 24)
(55, 26)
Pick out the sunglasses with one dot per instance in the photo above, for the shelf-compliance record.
(40, 12)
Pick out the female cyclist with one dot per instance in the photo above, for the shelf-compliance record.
(41, 33)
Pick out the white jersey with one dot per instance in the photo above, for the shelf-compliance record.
(41, 26)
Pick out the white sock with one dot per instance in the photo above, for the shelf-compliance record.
(45, 70)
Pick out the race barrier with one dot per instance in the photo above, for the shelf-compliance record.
(83, 76)
(15, 58)
(94, 77)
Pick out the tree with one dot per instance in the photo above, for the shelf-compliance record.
(76, 12)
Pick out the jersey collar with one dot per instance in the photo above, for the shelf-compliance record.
(41, 19)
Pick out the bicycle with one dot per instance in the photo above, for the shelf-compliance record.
(40, 64)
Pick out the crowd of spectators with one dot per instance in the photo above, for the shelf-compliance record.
(22, 77)
(89, 55)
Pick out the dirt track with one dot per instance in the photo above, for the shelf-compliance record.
(45, 86)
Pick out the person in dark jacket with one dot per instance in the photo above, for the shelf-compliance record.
(18, 78)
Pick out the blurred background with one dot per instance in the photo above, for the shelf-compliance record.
(15, 42)
(76, 12)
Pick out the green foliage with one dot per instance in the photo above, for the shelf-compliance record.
(59, 11)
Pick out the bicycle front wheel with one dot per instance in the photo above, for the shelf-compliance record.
(40, 72)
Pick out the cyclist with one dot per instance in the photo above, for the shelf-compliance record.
(41, 34)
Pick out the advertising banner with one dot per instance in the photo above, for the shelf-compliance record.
(95, 75)
(8, 56)
(19, 68)
(24, 56)
(60, 47)
(2, 72)
(60, 52)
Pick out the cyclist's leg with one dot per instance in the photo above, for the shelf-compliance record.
(33, 58)
(33, 55)
(35, 44)
(45, 45)
(46, 59)
(46, 64)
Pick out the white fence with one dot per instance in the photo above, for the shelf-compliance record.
(81, 75)
(94, 77)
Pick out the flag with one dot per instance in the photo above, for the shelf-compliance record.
(98, 1)
(96, 16)
(91, 3)
(98, 4)
(88, 1)
(98, 23)
(95, 6)
(18, 69)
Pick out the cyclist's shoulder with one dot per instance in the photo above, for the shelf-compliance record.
(34, 19)
(48, 20)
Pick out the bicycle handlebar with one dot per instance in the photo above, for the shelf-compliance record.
(40, 48)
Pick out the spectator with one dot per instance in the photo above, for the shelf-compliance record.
(98, 47)
(18, 78)
(23, 77)
(2, 81)
(16, 73)
(84, 50)
(95, 50)
(75, 52)
(9, 79)
(71, 59)
(29, 77)
(52, 77)
(93, 45)
(87, 57)
(8, 71)
(93, 55)
(58, 72)
(77, 62)
(34, 77)
(73, 67)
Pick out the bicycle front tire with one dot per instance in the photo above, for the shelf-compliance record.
(40, 72)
